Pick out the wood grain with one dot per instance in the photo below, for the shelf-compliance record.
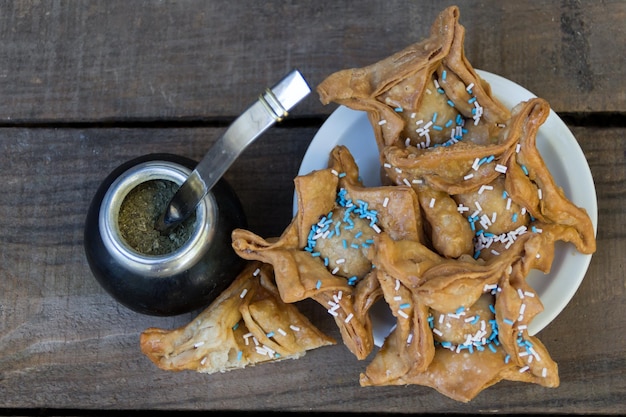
(110, 61)
(65, 343)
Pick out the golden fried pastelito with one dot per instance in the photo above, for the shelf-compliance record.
(516, 191)
(323, 252)
(425, 94)
(464, 322)
(246, 325)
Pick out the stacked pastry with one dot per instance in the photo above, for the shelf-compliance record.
(467, 209)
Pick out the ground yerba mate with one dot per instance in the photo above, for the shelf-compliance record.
(139, 212)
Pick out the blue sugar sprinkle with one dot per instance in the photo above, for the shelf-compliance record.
(236, 326)
(440, 90)
(492, 347)
(341, 175)
(326, 262)
(508, 321)
(476, 254)
(358, 235)
(354, 246)
(318, 285)
(444, 74)
(435, 117)
(316, 254)
(507, 358)
(345, 244)
(476, 318)
(399, 109)
(471, 100)
(435, 127)
(270, 334)
(525, 169)
(449, 123)
(239, 355)
(492, 309)
(451, 103)
(504, 194)
(460, 310)
(405, 305)
(514, 217)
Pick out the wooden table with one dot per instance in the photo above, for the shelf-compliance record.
(87, 85)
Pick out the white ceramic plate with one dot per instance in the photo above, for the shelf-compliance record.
(557, 146)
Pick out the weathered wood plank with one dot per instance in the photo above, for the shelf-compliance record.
(64, 343)
(117, 61)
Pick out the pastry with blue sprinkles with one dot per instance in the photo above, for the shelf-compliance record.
(462, 325)
(324, 252)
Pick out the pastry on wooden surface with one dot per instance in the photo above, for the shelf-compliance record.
(247, 324)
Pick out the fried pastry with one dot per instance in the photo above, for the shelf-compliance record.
(323, 252)
(461, 324)
(422, 95)
(491, 212)
(246, 325)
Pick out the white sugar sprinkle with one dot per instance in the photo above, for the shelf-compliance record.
(243, 293)
(485, 187)
(385, 201)
(501, 168)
